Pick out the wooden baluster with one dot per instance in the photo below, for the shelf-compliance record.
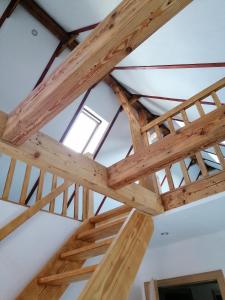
(182, 162)
(219, 154)
(216, 100)
(26, 180)
(53, 187)
(87, 207)
(167, 169)
(202, 113)
(40, 185)
(76, 201)
(65, 201)
(198, 155)
(9, 178)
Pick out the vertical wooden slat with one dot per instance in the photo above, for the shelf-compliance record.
(40, 185)
(26, 180)
(219, 155)
(167, 169)
(65, 200)
(76, 201)
(87, 203)
(198, 155)
(54, 185)
(182, 163)
(9, 178)
(216, 100)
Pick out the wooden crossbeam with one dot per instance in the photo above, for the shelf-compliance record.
(44, 152)
(199, 134)
(194, 191)
(118, 35)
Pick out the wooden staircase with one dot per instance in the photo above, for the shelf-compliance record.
(98, 235)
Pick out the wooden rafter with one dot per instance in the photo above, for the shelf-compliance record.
(44, 152)
(9, 10)
(112, 40)
(201, 133)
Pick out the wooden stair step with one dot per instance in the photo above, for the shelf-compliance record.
(68, 277)
(88, 251)
(124, 209)
(102, 231)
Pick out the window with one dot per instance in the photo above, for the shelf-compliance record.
(86, 132)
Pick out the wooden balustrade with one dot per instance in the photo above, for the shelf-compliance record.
(179, 115)
(67, 204)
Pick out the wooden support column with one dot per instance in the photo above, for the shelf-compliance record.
(115, 274)
(201, 133)
(118, 35)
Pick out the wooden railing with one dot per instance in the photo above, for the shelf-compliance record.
(17, 178)
(197, 106)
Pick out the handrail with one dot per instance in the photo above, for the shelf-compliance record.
(188, 103)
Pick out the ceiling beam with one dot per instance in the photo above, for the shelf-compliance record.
(44, 152)
(46, 20)
(200, 134)
(118, 35)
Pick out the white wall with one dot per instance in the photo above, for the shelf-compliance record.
(26, 250)
(201, 254)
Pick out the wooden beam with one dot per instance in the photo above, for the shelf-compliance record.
(116, 273)
(200, 134)
(27, 214)
(44, 152)
(46, 20)
(194, 191)
(9, 10)
(118, 35)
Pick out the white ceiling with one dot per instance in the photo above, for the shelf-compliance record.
(195, 35)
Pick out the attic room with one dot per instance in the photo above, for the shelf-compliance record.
(112, 148)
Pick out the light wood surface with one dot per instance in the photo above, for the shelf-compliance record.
(88, 251)
(118, 35)
(200, 134)
(116, 272)
(102, 231)
(68, 277)
(44, 152)
(194, 191)
(113, 213)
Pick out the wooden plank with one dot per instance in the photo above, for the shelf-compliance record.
(65, 200)
(9, 178)
(40, 184)
(44, 152)
(201, 95)
(87, 203)
(102, 231)
(88, 251)
(27, 214)
(55, 265)
(194, 191)
(68, 277)
(116, 272)
(54, 185)
(200, 134)
(26, 180)
(76, 201)
(116, 212)
(216, 99)
(131, 23)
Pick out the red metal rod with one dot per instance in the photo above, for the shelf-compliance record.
(170, 99)
(8, 11)
(84, 29)
(177, 66)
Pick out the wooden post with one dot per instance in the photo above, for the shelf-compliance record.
(87, 199)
